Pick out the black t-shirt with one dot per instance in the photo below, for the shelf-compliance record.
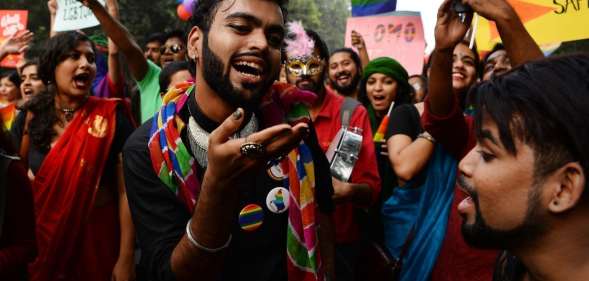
(160, 217)
(405, 120)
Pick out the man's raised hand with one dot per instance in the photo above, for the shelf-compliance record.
(226, 163)
(450, 30)
(492, 9)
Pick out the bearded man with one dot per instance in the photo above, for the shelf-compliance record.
(527, 175)
(345, 71)
(306, 58)
(214, 195)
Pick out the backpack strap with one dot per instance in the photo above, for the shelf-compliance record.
(347, 109)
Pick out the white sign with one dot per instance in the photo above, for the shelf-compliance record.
(72, 15)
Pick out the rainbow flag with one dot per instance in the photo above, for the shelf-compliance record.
(384, 124)
(362, 8)
(7, 114)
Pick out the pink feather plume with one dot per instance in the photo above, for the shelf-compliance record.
(301, 45)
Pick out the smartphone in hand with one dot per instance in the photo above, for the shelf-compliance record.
(460, 8)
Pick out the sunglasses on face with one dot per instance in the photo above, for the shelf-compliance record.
(176, 48)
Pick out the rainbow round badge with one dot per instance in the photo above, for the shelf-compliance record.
(251, 217)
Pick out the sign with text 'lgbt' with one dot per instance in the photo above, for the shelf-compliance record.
(72, 15)
(12, 22)
(548, 21)
(397, 35)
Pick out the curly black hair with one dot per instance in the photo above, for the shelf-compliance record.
(42, 105)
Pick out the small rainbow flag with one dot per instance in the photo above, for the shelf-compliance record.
(382, 128)
(362, 8)
(7, 114)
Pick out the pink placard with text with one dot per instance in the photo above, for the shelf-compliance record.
(396, 35)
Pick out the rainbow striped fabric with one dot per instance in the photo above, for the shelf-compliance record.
(177, 169)
(169, 156)
(382, 129)
(7, 115)
(362, 8)
(304, 262)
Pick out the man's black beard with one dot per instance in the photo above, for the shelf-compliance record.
(481, 235)
(221, 83)
(346, 90)
(315, 87)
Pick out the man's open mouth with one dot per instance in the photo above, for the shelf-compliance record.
(252, 70)
(342, 78)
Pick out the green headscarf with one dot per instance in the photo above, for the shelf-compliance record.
(393, 69)
(388, 67)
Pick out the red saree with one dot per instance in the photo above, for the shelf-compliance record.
(76, 240)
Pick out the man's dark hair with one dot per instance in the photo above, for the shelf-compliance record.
(169, 70)
(319, 44)
(353, 55)
(204, 12)
(176, 33)
(497, 47)
(481, 67)
(155, 37)
(544, 105)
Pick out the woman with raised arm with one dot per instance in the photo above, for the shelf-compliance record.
(72, 142)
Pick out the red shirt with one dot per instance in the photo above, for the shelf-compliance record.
(327, 124)
(457, 260)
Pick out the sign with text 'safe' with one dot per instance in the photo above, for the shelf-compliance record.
(72, 15)
(548, 21)
(12, 22)
(395, 35)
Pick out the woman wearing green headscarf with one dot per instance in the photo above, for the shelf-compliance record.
(383, 87)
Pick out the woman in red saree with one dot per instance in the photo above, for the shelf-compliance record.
(84, 229)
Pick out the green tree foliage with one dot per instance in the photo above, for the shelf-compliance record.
(140, 17)
(327, 17)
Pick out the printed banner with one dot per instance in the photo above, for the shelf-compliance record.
(72, 15)
(397, 35)
(548, 21)
(11, 22)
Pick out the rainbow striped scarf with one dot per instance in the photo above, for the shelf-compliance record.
(169, 156)
(177, 169)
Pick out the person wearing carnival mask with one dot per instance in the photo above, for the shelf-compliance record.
(306, 59)
(220, 187)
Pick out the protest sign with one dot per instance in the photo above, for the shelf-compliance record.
(548, 21)
(11, 22)
(72, 15)
(398, 35)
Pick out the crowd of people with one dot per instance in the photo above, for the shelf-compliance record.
(243, 149)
